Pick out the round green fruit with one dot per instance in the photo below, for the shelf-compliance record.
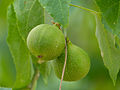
(46, 42)
(77, 66)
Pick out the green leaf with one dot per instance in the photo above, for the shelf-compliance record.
(109, 53)
(45, 69)
(7, 67)
(90, 4)
(3, 7)
(19, 51)
(117, 42)
(29, 14)
(58, 9)
(110, 15)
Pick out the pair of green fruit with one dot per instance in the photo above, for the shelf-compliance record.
(47, 43)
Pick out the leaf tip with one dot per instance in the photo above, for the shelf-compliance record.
(113, 77)
(114, 82)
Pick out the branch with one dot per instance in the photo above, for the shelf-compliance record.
(64, 64)
(35, 78)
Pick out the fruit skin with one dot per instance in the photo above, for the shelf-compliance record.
(77, 66)
(46, 42)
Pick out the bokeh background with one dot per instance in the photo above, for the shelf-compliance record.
(81, 32)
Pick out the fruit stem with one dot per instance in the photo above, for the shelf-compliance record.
(57, 24)
(64, 63)
(35, 78)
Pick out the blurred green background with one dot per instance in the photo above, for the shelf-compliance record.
(81, 31)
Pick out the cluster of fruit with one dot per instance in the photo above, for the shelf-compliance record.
(47, 42)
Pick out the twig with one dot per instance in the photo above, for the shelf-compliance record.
(35, 78)
(86, 9)
(64, 64)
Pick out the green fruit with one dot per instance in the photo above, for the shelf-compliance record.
(77, 66)
(46, 42)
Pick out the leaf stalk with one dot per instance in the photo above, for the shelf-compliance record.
(86, 9)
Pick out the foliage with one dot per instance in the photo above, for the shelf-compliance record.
(109, 53)
(58, 9)
(21, 55)
(17, 64)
